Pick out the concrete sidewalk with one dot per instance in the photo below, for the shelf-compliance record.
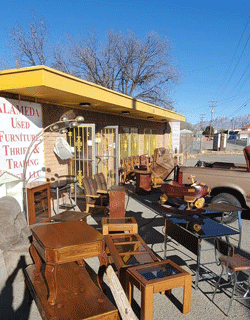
(151, 228)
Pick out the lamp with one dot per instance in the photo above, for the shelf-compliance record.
(60, 126)
(84, 104)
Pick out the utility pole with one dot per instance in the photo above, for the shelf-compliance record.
(212, 106)
(202, 115)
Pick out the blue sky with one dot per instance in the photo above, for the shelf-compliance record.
(210, 40)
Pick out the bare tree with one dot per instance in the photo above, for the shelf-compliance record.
(30, 47)
(141, 69)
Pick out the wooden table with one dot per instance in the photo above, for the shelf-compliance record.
(157, 277)
(60, 243)
(128, 224)
(69, 216)
(128, 250)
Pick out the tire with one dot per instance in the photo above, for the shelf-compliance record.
(229, 199)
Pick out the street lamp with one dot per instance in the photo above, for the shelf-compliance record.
(60, 126)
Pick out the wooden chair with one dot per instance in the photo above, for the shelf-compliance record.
(101, 183)
(231, 264)
(93, 198)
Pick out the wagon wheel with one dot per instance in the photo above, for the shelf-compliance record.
(163, 198)
(196, 227)
(199, 203)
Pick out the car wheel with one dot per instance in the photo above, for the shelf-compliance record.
(228, 198)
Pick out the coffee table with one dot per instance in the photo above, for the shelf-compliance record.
(128, 250)
(157, 277)
(59, 243)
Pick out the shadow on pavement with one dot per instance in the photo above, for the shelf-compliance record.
(7, 311)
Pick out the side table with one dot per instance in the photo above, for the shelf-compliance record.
(128, 224)
(60, 243)
(157, 277)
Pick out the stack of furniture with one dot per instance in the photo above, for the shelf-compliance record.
(59, 280)
(138, 265)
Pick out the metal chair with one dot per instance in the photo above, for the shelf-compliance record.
(231, 264)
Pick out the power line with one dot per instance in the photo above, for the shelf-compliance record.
(212, 106)
(231, 62)
(202, 115)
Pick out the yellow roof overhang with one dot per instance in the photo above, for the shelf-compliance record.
(48, 85)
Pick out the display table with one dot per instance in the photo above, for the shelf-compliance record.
(127, 224)
(157, 277)
(60, 243)
(182, 230)
(128, 250)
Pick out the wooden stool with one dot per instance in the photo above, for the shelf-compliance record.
(157, 277)
(127, 224)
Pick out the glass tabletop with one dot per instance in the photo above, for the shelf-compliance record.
(135, 259)
(209, 227)
(124, 238)
(158, 271)
(130, 247)
(118, 220)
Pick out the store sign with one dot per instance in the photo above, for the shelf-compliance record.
(175, 136)
(21, 121)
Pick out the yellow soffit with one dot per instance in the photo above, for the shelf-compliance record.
(47, 85)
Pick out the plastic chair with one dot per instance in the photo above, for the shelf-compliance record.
(231, 264)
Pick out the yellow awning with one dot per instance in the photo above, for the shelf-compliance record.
(48, 85)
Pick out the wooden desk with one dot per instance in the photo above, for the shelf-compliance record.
(59, 243)
(128, 224)
(157, 277)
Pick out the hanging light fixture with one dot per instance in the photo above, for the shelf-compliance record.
(84, 104)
